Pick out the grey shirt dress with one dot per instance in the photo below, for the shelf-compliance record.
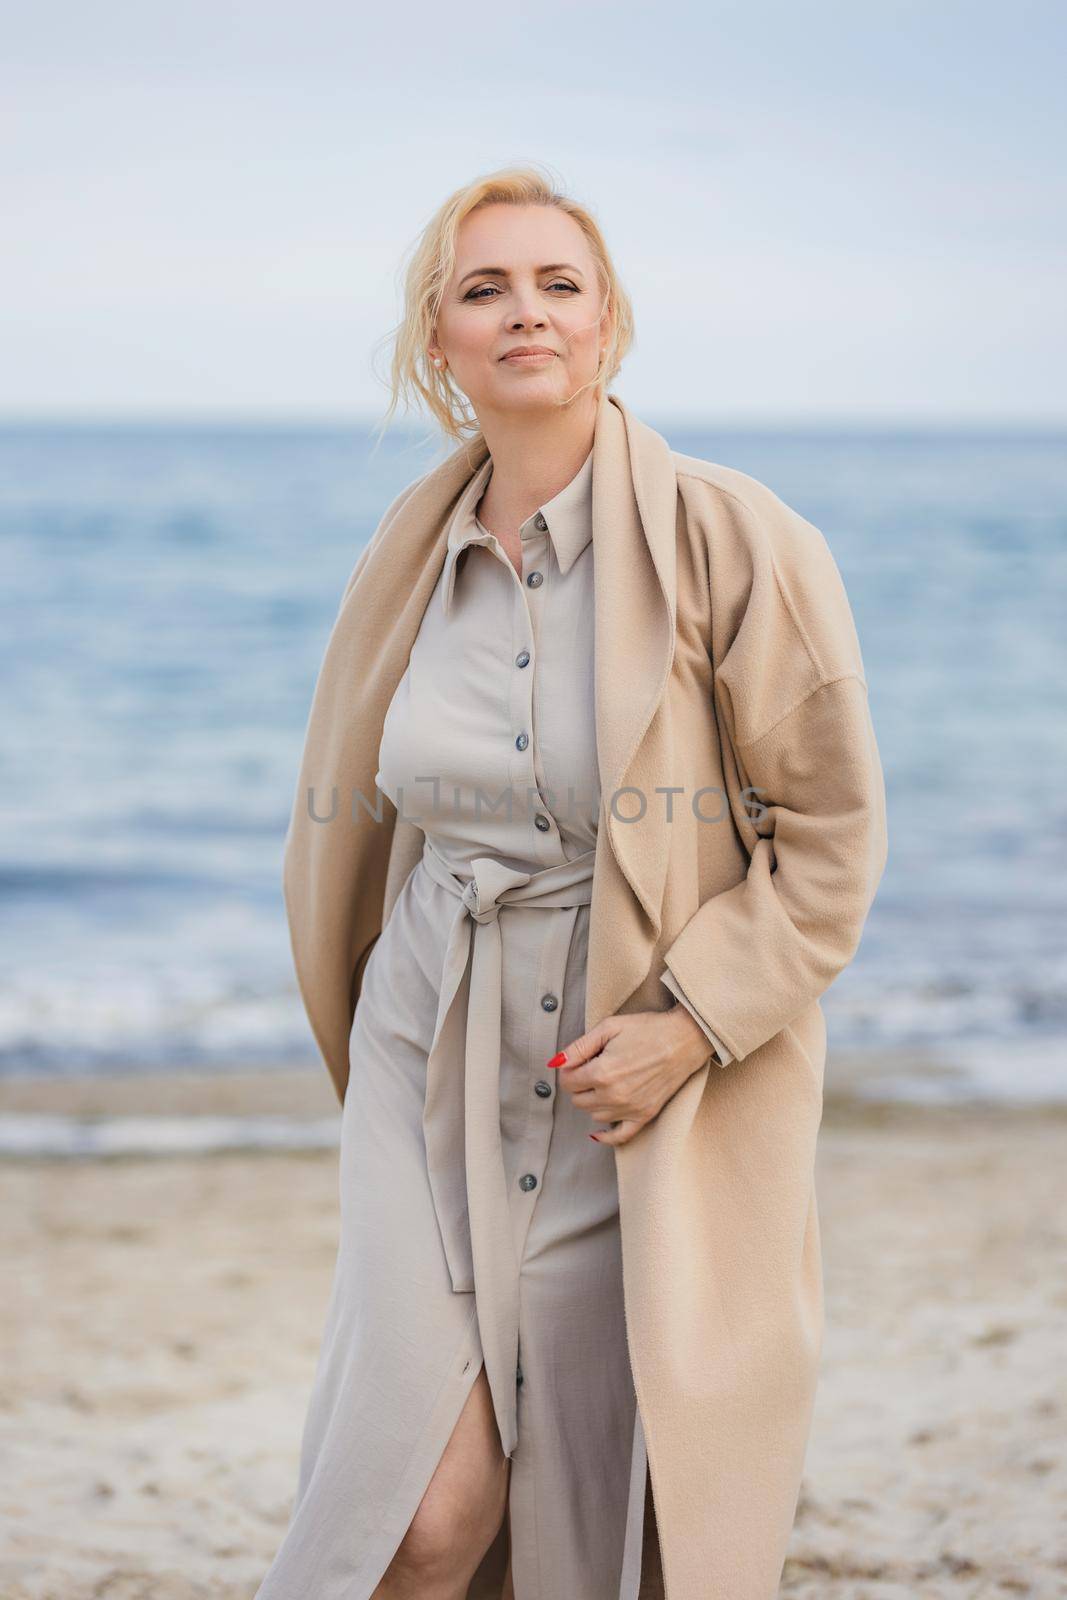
(479, 1222)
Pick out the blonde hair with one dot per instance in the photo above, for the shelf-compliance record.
(413, 376)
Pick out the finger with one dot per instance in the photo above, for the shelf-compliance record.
(583, 1049)
(619, 1133)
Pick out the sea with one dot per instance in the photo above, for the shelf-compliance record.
(167, 593)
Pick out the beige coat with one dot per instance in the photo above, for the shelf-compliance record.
(726, 660)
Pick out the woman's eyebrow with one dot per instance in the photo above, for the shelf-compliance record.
(502, 272)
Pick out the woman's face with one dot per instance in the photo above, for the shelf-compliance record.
(524, 275)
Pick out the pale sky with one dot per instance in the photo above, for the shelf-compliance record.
(822, 212)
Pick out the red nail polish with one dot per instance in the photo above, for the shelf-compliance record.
(558, 1061)
(593, 1136)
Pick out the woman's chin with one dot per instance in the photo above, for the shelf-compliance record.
(545, 389)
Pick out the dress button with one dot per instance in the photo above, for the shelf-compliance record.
(540, 522)
(549, 1002)
(535, 580)
(522, 741)
(542, 1088)
(541, 822)
(523, 658)
(527, 1181)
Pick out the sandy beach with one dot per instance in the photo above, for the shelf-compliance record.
(162, 1317)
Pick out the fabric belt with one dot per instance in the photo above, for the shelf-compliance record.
(462, 1106)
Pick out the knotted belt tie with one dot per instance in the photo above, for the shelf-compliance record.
(462, 1106)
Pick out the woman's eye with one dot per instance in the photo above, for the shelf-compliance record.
(479, 293)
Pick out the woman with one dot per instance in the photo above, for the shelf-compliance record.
(590, 805)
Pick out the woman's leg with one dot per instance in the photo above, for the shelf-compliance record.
(460, 1514)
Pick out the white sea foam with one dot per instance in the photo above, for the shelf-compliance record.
(32, 1134)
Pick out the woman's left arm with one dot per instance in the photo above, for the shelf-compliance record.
(754, 956)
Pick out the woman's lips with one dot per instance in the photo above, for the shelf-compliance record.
(533, 358)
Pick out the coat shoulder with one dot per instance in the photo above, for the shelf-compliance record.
(785, 622)
(384, 523)
(752, 533)
(761, 518)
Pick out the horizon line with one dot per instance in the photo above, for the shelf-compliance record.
(769, 422)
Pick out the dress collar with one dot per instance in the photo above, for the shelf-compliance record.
(569, 515)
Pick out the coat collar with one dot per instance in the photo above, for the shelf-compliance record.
(634, 502)
(568, 515)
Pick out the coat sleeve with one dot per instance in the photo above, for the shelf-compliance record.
(793, 704)
(671, 982)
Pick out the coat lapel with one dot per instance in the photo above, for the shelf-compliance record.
(635, 497)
